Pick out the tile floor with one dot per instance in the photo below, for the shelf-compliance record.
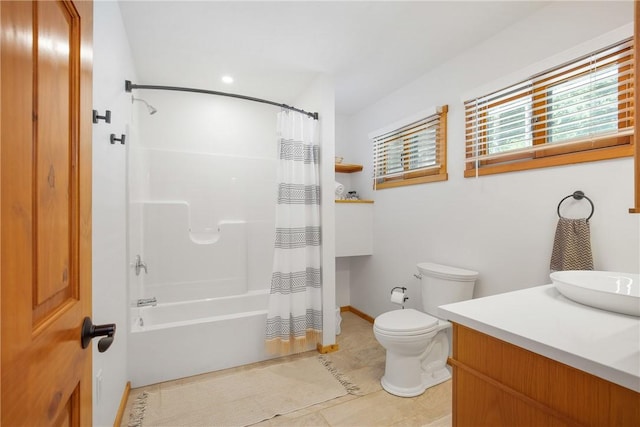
(361, 359)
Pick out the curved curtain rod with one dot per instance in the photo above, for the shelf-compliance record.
(128, 86)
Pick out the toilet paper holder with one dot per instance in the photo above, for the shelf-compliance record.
(404, 291)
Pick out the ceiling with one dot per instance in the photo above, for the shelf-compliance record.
(274, 50)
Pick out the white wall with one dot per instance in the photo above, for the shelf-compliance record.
(344, 149)
(112, 64)
(320, 98)
(500, 225)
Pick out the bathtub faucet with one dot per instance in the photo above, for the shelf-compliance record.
(145, 302)
(139, 265)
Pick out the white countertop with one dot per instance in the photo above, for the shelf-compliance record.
(541, 320)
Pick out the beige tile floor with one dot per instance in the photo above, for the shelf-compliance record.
(361, 359)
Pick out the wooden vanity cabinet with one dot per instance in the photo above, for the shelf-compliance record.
(496, 383)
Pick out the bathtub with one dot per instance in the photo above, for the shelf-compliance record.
(179, 339)
(167, 293)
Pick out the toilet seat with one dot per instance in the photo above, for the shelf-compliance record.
(405, 322)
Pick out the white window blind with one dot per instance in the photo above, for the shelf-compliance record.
(584, 101)
(403, 153)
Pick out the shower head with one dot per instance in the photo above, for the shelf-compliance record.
(150, 108)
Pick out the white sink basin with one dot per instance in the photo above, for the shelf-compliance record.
(607, 290)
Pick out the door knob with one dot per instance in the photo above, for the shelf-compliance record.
(89, 331)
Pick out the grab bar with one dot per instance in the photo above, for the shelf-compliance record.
(145, 302)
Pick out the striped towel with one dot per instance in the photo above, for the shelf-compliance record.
(572, 246)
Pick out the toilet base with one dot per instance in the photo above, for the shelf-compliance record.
(402, 392)
(436, 377)
(409, 373)
(428, 381)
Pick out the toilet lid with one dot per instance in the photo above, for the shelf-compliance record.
(446, 272)
(408, 320)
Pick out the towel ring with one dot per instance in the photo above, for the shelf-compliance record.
(578, 195)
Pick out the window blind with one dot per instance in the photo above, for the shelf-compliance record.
(584, 101)
(404, 152)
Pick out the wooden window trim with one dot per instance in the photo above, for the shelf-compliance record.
(392, 183)
(556, 160)
(588, 151)
(428, 175)
(636, 31)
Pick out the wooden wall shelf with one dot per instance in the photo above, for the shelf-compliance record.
(353, 201)
(347, 168)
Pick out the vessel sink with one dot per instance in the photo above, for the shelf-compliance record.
(606, 290)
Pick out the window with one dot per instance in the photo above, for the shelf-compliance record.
(412, 154)
(581, 111)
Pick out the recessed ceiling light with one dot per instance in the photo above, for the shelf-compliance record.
(227, 79)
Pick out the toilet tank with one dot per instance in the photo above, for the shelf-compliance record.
(442, 284)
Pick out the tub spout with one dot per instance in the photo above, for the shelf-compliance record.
(145, 302)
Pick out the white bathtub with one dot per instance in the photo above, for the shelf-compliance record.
(177, 340)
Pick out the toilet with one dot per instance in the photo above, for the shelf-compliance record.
(417, 342)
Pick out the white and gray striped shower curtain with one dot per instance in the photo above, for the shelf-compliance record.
(295, 304)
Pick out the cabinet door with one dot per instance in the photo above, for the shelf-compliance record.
(354, 229)
(480, 403)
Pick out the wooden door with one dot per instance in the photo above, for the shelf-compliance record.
(45, 211)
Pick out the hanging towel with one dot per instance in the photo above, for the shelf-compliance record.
(572, 245)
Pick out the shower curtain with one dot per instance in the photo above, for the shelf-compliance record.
(295, 303)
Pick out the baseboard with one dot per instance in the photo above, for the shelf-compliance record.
(327, 348)
(357, 313)
(334, 347)
(123, 405)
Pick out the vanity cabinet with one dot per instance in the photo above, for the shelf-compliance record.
(496, 383)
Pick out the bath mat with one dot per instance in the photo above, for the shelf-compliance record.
(239, 399)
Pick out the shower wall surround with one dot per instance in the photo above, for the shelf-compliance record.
(202, 190)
